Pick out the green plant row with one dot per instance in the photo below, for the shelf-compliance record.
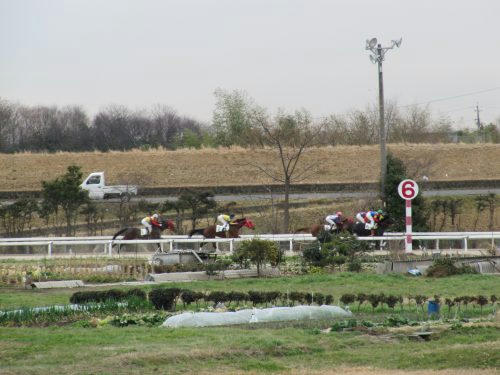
(167, 298)
(105, 295)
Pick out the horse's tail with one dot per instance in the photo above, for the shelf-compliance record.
(118, 233)
(196, 231)
(302, 230)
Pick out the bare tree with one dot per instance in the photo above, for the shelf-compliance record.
(289, 136)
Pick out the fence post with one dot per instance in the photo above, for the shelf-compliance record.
(465, 244)
(231, 246)
(49, 249)
(291, 245)
(171, 245)
(110, 248)
(437, 244)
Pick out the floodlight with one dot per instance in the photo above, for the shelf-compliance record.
(373, 42)
(397, 43)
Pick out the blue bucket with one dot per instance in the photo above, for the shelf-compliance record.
(433, 308)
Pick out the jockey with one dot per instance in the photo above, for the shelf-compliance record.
(150, 221)
(225, 220)
(370, 218)
(334, 219)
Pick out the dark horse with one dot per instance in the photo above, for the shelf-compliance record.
(233, 232)
(359, 228)
(316, 229)
(135, 233)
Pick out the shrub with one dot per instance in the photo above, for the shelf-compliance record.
(164, 298)
(391, 301)
(238, 297)
(199, 295)
(319, 299)
(188, 296)
(481, 300)
(309, 298)
(114, 294)
(218, 297)
(328, 299)
(99, 296)
(259, 252)
(136, 292)
(443, 267)
(374, 300)
(297, 297)
(255, 297)
(316, 255)
(272, 296)
(449, 302)
(361, 297)
(347, 299)
(211, 269)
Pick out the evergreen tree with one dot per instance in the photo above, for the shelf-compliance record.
(395, 205)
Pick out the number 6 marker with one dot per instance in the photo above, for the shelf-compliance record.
(408, 189)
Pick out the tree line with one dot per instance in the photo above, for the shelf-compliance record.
(52, 129)
(236, 120)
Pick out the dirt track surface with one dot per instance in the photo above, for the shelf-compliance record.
(221, 167)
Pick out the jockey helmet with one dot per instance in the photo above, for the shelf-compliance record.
(231, 216)
(339, 213)
(155, 216)
(380, 212)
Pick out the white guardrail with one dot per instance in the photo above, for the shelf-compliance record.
(108, 243)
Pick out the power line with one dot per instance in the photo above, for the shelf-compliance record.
(451, 97)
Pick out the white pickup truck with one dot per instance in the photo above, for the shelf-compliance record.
(95, 184)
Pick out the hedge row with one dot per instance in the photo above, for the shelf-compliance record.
(167, 298)
(105, 295)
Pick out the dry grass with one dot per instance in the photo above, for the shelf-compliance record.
(219, 167)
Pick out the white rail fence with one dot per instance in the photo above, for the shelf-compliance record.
(169, 241)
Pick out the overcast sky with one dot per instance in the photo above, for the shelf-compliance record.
(285, 54)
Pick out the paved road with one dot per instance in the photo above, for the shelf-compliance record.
(343, 194)
(356, 194)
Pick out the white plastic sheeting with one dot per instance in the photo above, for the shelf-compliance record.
(274, 314)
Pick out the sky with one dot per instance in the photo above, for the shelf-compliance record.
(285, 54)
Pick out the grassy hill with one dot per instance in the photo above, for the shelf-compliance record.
(219, 167)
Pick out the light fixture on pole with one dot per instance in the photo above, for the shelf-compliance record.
(376, 57)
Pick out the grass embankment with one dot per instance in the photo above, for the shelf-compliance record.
(219, 167)
(296, 348)
(335, 284)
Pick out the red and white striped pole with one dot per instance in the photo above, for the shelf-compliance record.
(408, 242)
(408, 189)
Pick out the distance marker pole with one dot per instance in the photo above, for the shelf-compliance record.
(408, 241)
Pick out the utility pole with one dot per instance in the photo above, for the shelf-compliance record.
(377, 56)
(479, 126)
(478, 121)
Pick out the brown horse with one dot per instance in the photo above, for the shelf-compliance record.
(315, 229)
(135, 233)
(233, 232)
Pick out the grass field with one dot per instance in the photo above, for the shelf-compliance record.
(285, 348)
(218, 167)
(230, 350)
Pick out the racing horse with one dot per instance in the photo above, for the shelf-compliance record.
(359, 229)
(316, 229)
(233, 232)
(135, 233)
